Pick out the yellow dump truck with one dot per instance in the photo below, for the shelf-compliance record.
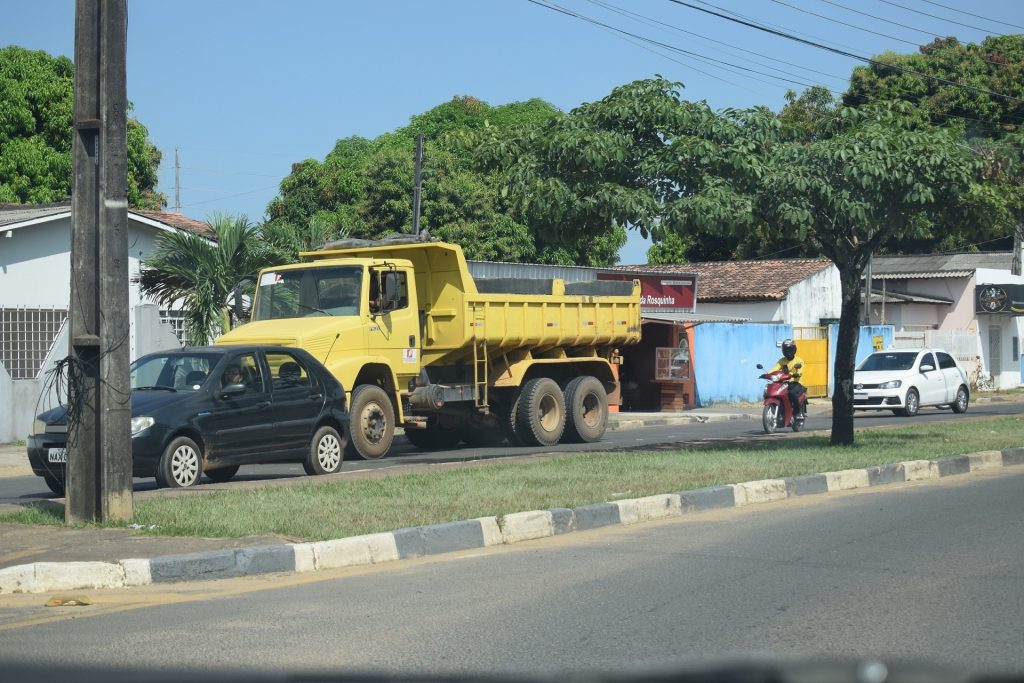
(418, 342)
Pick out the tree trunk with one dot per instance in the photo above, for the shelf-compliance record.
(846, 355)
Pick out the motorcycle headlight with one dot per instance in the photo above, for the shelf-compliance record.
(894, 384)
(38, 426)
(140, 424)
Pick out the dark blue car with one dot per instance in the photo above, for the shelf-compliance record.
(213, 409)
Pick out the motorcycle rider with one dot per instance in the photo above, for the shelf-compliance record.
(792, 364)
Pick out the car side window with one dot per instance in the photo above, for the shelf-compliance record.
(245, 370)
(946, 361)
(287, 371)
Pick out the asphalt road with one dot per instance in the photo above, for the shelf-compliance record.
(27, 488)
(926, 572)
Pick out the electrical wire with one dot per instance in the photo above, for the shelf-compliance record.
(844, 23)
(979, 16)
(952, 21)
(844, 53)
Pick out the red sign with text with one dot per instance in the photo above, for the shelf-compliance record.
(667, 292)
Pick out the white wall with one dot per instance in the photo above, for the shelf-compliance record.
(1010, 326)
(817, 297)
(756, 311)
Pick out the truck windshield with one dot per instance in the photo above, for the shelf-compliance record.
(325, 291)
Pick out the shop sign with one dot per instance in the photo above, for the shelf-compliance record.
(999, 299)
(670, 292)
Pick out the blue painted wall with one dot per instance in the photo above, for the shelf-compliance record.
(725, 356)
(864, 345)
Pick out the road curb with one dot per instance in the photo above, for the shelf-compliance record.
(437, 539)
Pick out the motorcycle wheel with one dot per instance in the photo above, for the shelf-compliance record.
(770, 418)
(798, 423)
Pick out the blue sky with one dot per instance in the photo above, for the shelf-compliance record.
(247, 87)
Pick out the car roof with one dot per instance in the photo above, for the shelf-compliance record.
(225, 349)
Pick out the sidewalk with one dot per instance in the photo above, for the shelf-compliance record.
(46, 554)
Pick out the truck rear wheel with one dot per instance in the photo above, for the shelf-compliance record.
(587, 404)
(371, 423)
(540, 415)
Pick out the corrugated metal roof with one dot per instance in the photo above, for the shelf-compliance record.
(690, 318)
(938, 265)
(531, 271)
(14, 214)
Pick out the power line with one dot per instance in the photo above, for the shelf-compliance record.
(649, 20)
(844, 53)
(935, 16)
(230, 196)
(976, 16)
(843, 23)
(708, 60)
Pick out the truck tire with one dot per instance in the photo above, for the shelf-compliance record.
(586, 402)
(540, 415)
(509, 422)
(371, 423)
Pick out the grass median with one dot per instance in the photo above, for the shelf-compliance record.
(323, 510)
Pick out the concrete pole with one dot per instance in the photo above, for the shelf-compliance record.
(99, 485)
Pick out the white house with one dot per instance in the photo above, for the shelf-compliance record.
(35, 290)
(933, 300)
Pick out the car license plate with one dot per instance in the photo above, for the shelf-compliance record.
(860, 394)
(57, 455)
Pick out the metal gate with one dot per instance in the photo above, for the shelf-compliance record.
(812, 347)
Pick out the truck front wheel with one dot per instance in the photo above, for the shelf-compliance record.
(540, 415)
(371, 423)
(587, 403)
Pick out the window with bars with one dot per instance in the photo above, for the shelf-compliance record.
(176, 321)
(26, 337)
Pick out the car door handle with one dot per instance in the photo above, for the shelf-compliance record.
(263, 404)
(315, 397)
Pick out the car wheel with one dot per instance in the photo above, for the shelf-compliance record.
(587, 403)
(912, 404)
(962, 399)
(181, 464)
(770, 418)
(54, 484)
(326, 452)
(540, 415)
(371, 422)
(222, 474)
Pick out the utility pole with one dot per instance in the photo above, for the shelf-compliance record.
(1018, 237)
(867, 292)
(417, 186)
(99, 468)
(177, 182)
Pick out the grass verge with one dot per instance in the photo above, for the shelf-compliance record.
(325, 510)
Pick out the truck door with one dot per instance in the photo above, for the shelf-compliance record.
(394, 330)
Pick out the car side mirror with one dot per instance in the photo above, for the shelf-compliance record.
(232, 390)
(927, 368)
(759, 366)
(798, 366)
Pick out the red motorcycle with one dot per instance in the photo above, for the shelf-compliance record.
(778, 412)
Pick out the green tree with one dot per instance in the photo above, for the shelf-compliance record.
(202, 273)
(647, 158)
(36, 132)
(365, 186)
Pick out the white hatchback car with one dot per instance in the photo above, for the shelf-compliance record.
(903, 380)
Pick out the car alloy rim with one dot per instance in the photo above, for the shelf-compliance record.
(912, 401)
(184, 465)
(328, 452)
(961, 399)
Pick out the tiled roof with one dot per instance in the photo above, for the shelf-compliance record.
(11, 214)
(937, 265)
(741, 280)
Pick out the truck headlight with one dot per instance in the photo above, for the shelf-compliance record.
(894, 384)
(140, 424)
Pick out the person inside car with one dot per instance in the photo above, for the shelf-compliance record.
(232, 375)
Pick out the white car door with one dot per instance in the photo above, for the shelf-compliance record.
(951, 374)
(932, 384)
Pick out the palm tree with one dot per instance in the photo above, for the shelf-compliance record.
(203, 272)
